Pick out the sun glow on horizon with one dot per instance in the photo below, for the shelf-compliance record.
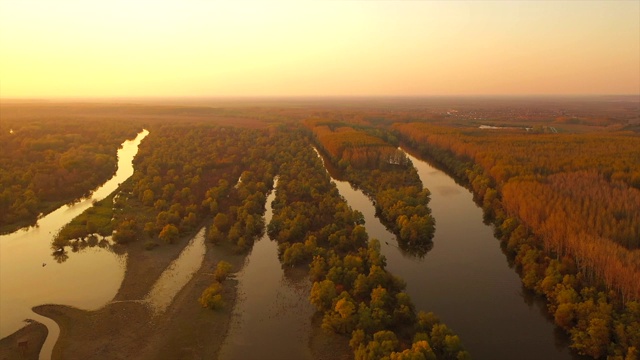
(70, 48)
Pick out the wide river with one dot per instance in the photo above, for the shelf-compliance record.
(465, 279)
(29, 275)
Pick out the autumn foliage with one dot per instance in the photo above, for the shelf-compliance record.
(579, 193)
(45, 163)
(351, 147)
(354, 293)
(567, 208)
(385, 174)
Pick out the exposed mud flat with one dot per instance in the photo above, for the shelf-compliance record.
(24, 343)
(128, 327)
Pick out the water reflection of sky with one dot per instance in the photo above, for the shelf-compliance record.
(465, 278)
(272, 316)
(468, 283)
(446, 190)
(29, 276)
(177, 274)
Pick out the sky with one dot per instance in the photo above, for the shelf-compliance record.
(199, 48)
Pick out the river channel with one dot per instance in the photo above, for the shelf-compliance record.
(465, 279)
(272, 317)
(29, 276)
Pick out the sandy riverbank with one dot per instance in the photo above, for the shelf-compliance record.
(126, 328)
(31, 336)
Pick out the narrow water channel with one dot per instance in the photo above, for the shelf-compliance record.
(177, 274)
(272, 316)
(465, 279)
(29, 276)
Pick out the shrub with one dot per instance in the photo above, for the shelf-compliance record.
(211, 297)
(150, 245)
(222, 271)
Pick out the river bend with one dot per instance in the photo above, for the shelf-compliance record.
(30, 277)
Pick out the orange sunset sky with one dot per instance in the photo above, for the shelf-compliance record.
(91, 48)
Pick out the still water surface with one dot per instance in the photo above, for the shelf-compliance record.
(272, 317)
(177, 274)
(29, 276)
(465, 279)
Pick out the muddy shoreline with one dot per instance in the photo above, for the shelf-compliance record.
(31, 337)
(126, 328)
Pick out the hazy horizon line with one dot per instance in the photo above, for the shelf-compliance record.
(302, 97)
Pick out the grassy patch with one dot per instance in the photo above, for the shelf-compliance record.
(94, 220)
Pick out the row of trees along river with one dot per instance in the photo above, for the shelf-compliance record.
(567, 210)
(96, 274)
(446, 254)
(463, 276)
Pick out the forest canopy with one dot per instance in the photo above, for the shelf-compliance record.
(46, 163)
(566, 205)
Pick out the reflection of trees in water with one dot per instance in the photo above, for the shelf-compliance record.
(408, 248)
(411, 250)
(60, 246)
(417, 249)
(104, 244)
(60, 256)
(295, 277)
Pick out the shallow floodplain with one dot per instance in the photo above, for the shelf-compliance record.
(29, 276)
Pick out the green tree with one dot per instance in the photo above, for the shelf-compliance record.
(91, 227)
(222, 271)
(214, 235)
(221, 221)
(426, 321)
(125, 232)
(420, 350)
(317, 268)
(383, 344)
(169, 233)
(294, 254)
(211, 297)
(150, 228)
(322, 294)
(147, 197)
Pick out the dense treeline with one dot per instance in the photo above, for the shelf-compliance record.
(194, 171)
(387, 176)
(505, 154)
(47, 163)
(357, 296)
(572, 200)
(183, 174)
(176, 168)
(241, 224)
(351, 147)
(582, 194)
(186, 174)
(561, 228)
